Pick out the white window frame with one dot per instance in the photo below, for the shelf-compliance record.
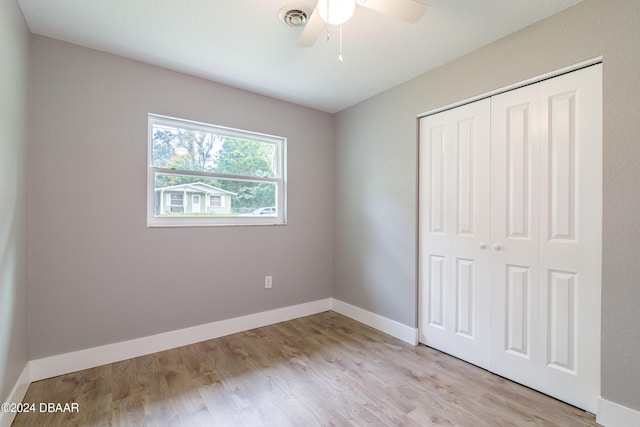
(279, 167)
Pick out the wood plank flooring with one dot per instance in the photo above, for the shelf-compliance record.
(321, 370)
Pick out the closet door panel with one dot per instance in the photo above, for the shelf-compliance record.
(560, 156)
(515, 272)
(436, 282)
(571, 235)
(562, 248)
(466, 154)
(465, 296)
(517, 164)
(436, 179)
(516, 310)
(454, 231)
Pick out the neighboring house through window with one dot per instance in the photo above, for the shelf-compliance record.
(202, 174)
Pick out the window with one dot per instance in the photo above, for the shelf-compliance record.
(240, 174)
(176, 203)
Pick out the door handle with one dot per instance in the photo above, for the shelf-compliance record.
(497, 247)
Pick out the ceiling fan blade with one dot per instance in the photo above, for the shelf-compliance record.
(407, 10)
(312, 30)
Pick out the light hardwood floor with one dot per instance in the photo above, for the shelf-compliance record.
(321, 370)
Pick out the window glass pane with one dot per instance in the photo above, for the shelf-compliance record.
(226, 197)
(246, 157)
(196, 150)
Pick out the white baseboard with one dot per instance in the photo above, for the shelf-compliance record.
(611, 414)
(395, 329)
(61, 364)
(52, 366)
(16, 395)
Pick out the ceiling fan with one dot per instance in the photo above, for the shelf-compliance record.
(336, 12)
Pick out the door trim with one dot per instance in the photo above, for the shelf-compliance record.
(518, 85)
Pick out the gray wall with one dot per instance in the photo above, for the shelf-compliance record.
(376, 203)
(98, 275)
(14, 45)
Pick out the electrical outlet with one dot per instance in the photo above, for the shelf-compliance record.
(268, 282)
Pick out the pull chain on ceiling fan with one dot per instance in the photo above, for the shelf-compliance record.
(337, 12)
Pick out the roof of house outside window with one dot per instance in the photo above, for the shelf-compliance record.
(197, 187)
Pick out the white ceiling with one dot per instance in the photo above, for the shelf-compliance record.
(242, 43)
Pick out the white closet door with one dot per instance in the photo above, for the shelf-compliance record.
(546, 225)
(454, 231)
(515, 192)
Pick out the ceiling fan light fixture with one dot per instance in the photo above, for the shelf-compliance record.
(336, 12)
